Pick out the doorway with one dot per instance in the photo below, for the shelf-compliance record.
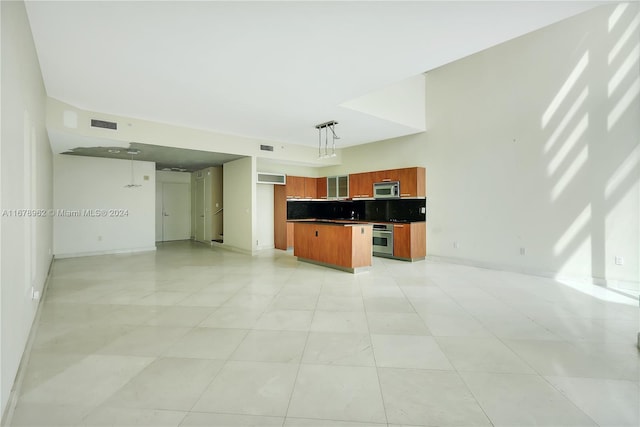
(174, 211)
(200, 210)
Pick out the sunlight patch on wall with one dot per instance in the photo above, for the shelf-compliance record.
(617, 13)
(568, 145)
(565, 89)
(572, 231)
(621, 106)
(628, 166)
(573, 169)
(631, 29)
(630, 63)
(566, 119)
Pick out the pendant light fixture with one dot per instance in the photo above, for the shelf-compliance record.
(132, 152)
(327, 126)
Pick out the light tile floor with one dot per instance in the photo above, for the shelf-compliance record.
(195, 336)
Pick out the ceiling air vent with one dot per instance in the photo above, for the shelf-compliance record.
(272, 178)
(266, 147)
(104, 124)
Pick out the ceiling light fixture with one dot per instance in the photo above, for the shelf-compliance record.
(132, 152)
(327, 126)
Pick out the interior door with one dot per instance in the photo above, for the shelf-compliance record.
(176, 211)
(200, 230)
(159, 212)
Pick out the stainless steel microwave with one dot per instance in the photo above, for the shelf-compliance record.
(386, 190)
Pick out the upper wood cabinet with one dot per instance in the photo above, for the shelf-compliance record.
(321, 188)
(310, 188)
(356, 185)
(386, 175)
(412, 182)
(304, 187)
(361, 185)
(295, 187)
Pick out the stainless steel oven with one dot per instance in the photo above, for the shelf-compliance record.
(383, 239)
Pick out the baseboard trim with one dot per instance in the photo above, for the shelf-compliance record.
(230, 248)
(111, 252)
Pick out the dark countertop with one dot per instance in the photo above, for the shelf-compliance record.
(340, 222)
(349, 221)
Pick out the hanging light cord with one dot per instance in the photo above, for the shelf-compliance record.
(327, 126)
(133, 184)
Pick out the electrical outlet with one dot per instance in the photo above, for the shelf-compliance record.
(523, 251)
(455, 245)
(619, 260)
(99, 238)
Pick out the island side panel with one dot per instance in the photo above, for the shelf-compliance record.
(361, 246)
(418, 240)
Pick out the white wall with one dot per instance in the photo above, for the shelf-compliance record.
(25, 156)
(274, 166)
(533, 144)
(264, 216)
(173, 176)
(98, 183)
(394, 153)
(239, 193)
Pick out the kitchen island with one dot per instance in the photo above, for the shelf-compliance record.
(345, 245)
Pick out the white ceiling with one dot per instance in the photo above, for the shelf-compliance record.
(271, 70)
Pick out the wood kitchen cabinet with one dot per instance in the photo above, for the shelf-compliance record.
(303, 187)
(290, 238)
(321, 188)
(361, 185)
(410, 241)
(310, 188)
(354, 185)
(295, 187)
(343, 246)
(386, 175)
(298, 187)
(412, 182)
(280, 217)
